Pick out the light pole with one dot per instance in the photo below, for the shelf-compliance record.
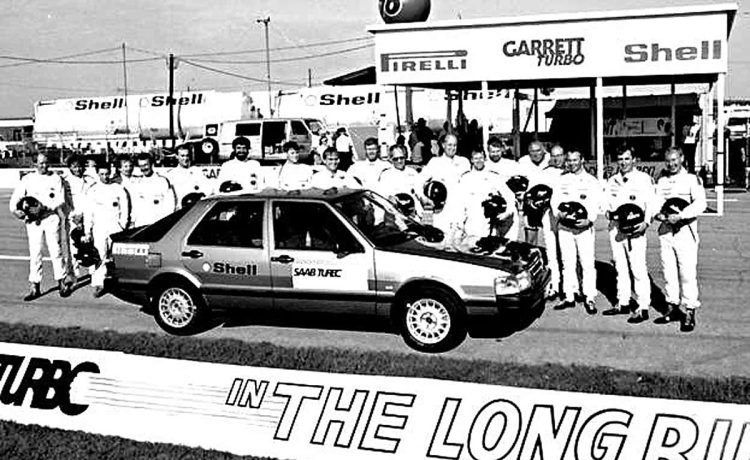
(265, 22)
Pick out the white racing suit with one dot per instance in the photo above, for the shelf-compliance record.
(476, 186)
(189, 180)
(107, 212)
(577, 245)
(368, 172)
(393, 181)
(448, 171)
(629, 252)
(325, 179)
(152, 198)
(75, 201)
(50, 191)
(679, 246)
(248, 173)
(294, 176)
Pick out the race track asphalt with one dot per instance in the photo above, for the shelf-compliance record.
(719, 347)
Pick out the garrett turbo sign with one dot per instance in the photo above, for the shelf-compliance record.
(548, 51)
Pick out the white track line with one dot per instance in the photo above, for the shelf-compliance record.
(7, 257)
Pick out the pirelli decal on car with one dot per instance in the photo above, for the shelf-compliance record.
(130, 249)
(335, 275)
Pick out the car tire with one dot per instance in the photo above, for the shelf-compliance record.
(209, 150)
(432, 320)
(179, 309)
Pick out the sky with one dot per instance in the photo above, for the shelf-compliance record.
(196, 30)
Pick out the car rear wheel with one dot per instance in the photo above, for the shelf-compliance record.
(432, 320)
(179, 309)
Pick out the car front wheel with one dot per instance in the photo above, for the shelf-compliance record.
(432, 321)
(179, 309)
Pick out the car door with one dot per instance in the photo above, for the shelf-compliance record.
(228, 252)
(317, 262)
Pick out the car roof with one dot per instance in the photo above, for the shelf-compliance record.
(307, 194)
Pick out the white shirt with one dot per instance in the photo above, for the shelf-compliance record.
(77, 188)
(635, 187)
(248, 174)
(294, 176)
(528, 167)
(189, 180)
(504, 167)
(47, 188)
(393, 181)
(474, 187)
(681, 185)
(343, 143)
(152, 198)
(368, 172)
(445, 169)
(340, 179)
(108, 207)
(582, 188)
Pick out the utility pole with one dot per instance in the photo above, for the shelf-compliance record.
(170, 99)
(265, 22)
(309, 77)
(125, 83)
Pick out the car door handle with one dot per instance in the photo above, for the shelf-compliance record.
(283, 259)
(193, 254)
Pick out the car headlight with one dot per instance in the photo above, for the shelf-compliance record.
(512, 284)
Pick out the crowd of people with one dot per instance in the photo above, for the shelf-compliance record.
(545, 198)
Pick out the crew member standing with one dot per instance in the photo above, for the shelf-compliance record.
(107, 212)
(678, 238)
(400, 179)
(187, 178)
(576, 238)
(368, 171)
(550, 176)
(240, 170)
(629, 249)
(76, 185)
(505, 167)
(294, 175)
(47, 188)
(152, 194)
(535, 161)
(332, 176)
(476, 186)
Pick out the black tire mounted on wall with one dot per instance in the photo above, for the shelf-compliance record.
(209, 150)
(431, 320)
(179, 308)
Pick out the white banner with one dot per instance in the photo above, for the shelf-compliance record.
(312, 415)
(533, 50)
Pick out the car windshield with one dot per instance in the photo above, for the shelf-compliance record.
(378, 219)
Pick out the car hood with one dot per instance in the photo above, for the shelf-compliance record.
(501, 254)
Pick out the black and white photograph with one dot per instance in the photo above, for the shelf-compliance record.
(382, 229)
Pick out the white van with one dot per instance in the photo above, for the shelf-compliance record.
(266, 135)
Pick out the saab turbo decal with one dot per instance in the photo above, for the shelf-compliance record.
(318, 272)
(425, 61)
(548, 51)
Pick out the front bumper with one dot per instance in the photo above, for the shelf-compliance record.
(530, 299)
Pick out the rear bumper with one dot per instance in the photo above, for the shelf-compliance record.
(132, 292)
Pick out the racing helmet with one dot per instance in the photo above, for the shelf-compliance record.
(627, 216)
(405, 203)
(87, 255)
(229, 187)
(536, 201)
(570, 212)
(494, 206)
(191, 198)
(437, 192)
(517, 184)
(674, 205)
(30, 207)
(76, 235)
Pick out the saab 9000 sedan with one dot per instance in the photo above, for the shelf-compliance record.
(329, 252)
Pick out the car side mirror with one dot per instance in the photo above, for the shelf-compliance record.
(345, 248)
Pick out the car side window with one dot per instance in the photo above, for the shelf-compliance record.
(231, 224)
(298, 128)
(247, 129)
(310, 226)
